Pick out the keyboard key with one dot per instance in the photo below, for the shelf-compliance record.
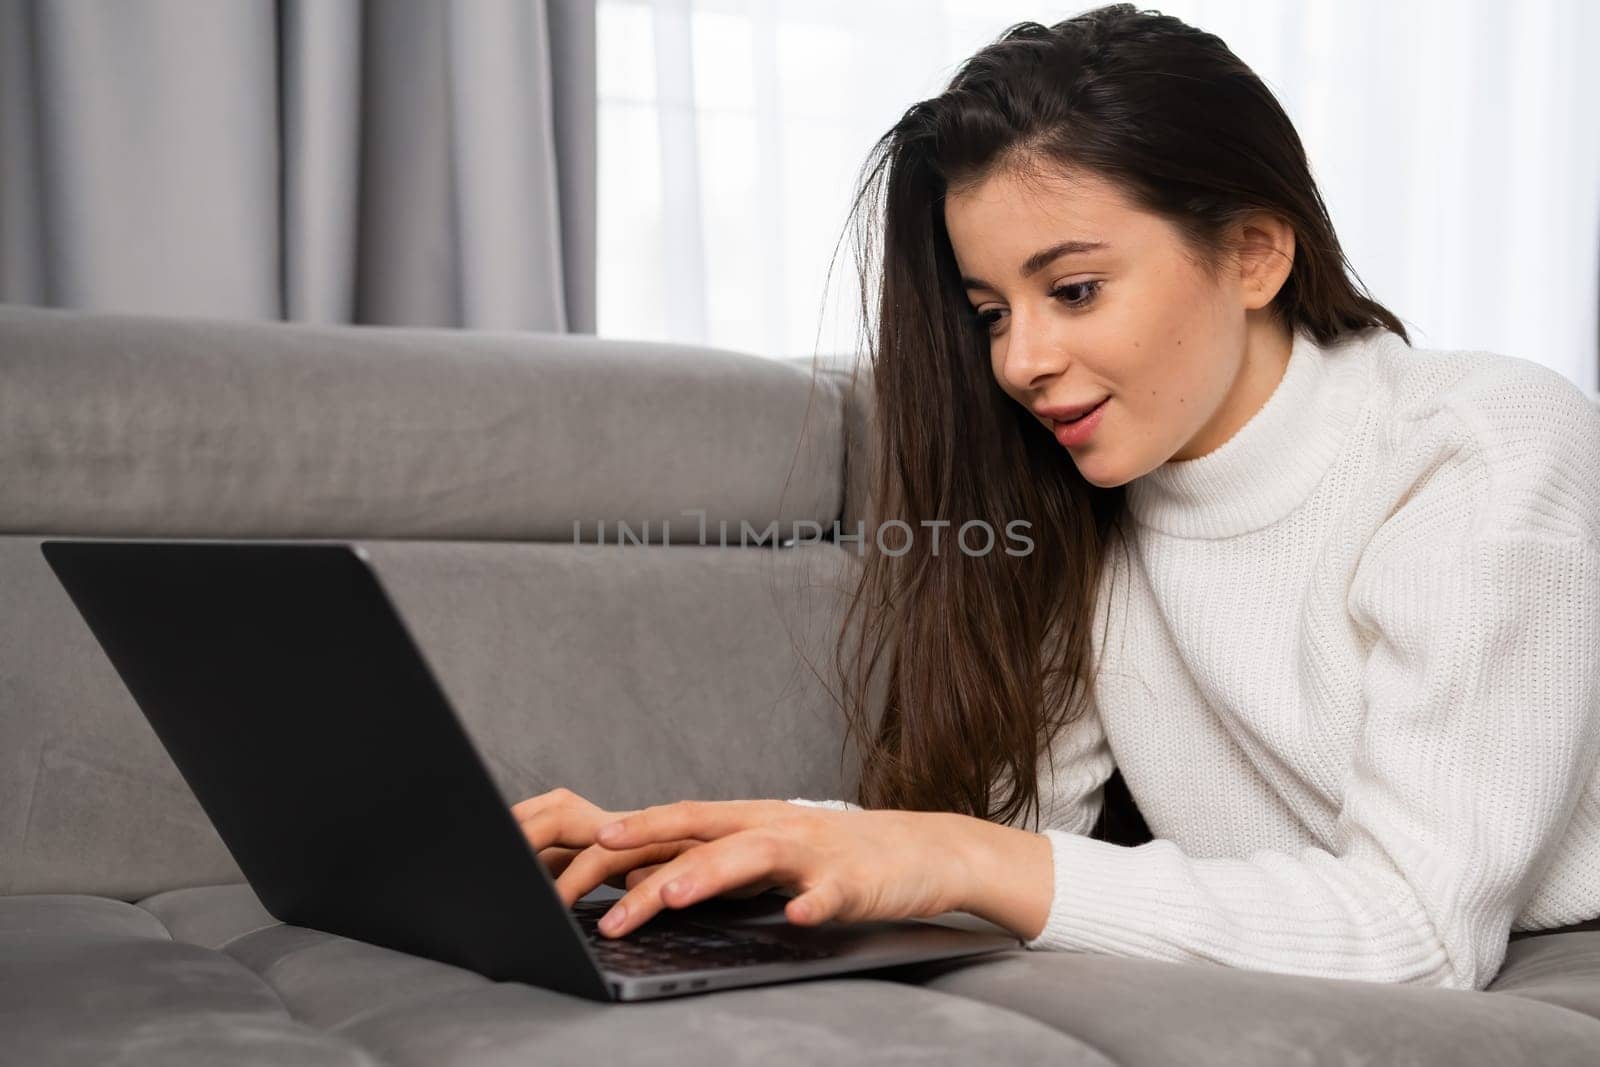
(686, 945)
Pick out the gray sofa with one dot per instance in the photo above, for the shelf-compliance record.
(633, 673)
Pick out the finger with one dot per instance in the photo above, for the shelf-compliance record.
(638, 874)
(635, 876)
(534, 804)
(559, 826)
(706, 820)
(700, 873)
(557, 859)
(595, 864)
(816, 905)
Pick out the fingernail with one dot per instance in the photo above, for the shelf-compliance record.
(613, 918)
(609, 831)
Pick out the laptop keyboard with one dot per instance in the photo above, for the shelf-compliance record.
(669, 943)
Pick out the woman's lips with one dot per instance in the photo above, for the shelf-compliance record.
(1069, 434)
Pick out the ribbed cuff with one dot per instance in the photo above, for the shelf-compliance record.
(1104, 896)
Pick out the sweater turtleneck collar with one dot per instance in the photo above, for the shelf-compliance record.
(1269, 467)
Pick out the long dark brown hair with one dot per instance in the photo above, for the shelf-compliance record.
(988, 655)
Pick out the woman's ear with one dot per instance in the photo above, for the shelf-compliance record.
(1266, 256)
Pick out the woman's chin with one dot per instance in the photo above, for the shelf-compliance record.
(1095, 472)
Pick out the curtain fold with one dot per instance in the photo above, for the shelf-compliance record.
(418, 163)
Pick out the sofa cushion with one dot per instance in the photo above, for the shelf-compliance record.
(1141, 1011)
(122, 424)
(90, 980)
(634, 675)
(207, 975)
(1559, 969)
(203, 976)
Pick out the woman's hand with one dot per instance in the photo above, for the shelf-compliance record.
(560, 825)
(846, 865)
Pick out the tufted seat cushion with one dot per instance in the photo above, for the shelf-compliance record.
(1542, 1010)
(206, 976)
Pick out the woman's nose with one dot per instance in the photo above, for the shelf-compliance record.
(1032, 359)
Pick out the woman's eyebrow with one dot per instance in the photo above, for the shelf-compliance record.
(1042, 259)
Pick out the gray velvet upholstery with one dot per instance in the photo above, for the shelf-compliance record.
(114, 423)
(1154, 1011)
(204, 976)
(632, 673)
(629, 674)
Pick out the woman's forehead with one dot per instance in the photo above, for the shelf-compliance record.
(1061, 202)
(998, 225)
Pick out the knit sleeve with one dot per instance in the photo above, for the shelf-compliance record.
(1482, 727)
(1072, 782)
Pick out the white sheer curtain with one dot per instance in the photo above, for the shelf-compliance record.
(1455, 141)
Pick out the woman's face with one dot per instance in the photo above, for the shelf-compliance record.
(1180, 361)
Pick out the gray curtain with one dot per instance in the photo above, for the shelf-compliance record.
(405, 162)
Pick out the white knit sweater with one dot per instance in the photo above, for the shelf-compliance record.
(1352, 680)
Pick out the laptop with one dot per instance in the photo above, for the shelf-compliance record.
(300, 711)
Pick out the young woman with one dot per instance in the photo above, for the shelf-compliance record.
(1330, 605)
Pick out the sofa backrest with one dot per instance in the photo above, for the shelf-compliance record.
(636, 673)
(123, 424)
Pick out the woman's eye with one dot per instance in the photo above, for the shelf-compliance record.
(1088, 290)
(1075, 295)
